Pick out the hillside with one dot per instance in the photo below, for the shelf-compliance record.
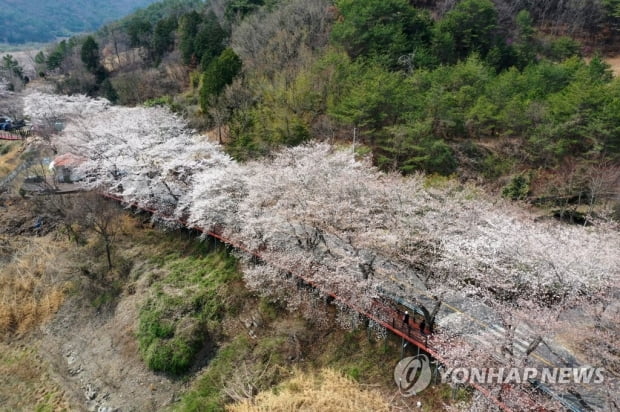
(318, 223)
(76, 336)
(47, 20)
(311, 191)
(518, 97)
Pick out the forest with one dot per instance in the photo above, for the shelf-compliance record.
(459, 157)
(43, 21)
(514, 95)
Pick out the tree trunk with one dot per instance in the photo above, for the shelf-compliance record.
(108, 254)
(433, 314)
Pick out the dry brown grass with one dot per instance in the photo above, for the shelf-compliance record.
(8, 161)
(25, 382)
(325, 391)
(31, 286)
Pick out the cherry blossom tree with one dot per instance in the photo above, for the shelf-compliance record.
(327, 225)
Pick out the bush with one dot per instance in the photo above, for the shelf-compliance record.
(153, 325)
(173, 356)
(440, 158)
(158, 101)
(563, 48)
(169, 339)
(494, 166)
(268, 309)
(206, 394)
(518, 188)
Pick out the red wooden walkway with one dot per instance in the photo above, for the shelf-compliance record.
(9, 136)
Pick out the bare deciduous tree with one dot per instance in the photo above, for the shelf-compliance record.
(603, 183)
(102, 216)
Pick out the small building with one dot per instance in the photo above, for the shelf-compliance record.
(64, 168)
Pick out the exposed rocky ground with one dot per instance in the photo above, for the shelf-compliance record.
(88, 349)
(94, 353)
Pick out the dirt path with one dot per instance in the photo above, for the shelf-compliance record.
(95, 357)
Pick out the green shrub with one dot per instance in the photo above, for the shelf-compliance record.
(563, 48)
(431, 156)
(518, 188)
(173, 356)
(353, 372)
(494, 166)
(174, 326)
(165, 343)
(159, 101)
(153, 325)
(268, 309)
(207, 393)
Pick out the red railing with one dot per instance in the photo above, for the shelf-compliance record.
(9, 136)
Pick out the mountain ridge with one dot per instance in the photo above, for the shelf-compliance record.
(44, 21)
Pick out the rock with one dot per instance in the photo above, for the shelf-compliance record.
(107, 409)
(70, 358)
(257, 321)
(75, 371)
(91, 392)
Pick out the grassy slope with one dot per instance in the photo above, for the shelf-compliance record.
(25, 382)
(29, 292)
(326, 391)
(247, 344)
